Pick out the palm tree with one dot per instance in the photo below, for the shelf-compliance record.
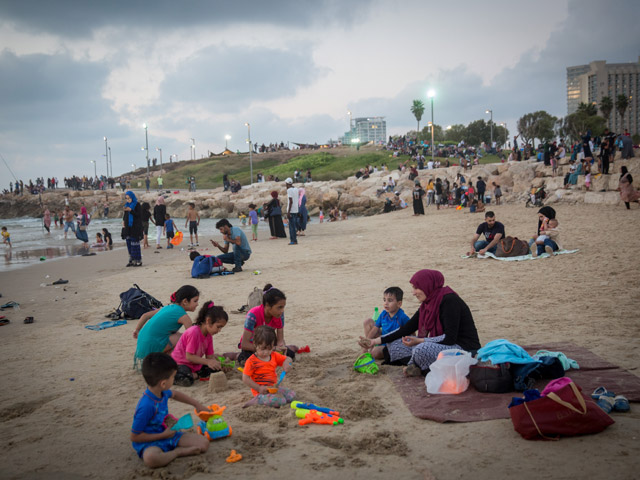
(622, 102)
(417, 109)
(606, 107)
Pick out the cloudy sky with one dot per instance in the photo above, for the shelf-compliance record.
(75, 71)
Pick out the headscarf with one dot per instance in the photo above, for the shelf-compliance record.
(301, 194)
(431, 282)
(274, 194)
(132, 204)
(160, 200)
(547, 212)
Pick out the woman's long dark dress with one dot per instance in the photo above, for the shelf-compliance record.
(418, 206)
(275, 219)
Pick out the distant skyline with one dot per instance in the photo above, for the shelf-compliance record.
(74, 72)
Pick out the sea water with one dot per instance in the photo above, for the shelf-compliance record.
(32, 244)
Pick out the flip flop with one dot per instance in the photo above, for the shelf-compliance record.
(4, 321)
(28, 320)
(621, 404)
(60, 282)
(11, 304)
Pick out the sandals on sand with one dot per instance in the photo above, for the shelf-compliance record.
(609, 401)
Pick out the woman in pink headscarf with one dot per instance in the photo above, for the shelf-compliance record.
(443, 322)
(83, 222)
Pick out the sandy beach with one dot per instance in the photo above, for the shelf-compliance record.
(68, 393)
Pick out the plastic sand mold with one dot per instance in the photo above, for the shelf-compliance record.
(366, 364)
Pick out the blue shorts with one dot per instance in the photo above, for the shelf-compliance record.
(166, 445)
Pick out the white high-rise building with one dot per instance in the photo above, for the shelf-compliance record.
(366, 129)
(589, 83)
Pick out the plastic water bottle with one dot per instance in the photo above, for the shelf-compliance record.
(376, 314)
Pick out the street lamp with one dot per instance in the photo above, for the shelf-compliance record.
(504, 125)
(110, 163)
(95, 170)
(134, 167)
(491, 112)
(146, 143)
(160, 150)
(431, 93)
(193, 148)
(250, 151)
(226, 141)
(171, 158)
(106, 154)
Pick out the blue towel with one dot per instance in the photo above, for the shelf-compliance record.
(106, 324)
(502, 351)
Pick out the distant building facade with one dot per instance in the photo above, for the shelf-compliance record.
(366, 129)
(589, 83)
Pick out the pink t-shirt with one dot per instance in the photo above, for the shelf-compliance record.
(255, 318)
(195, 343)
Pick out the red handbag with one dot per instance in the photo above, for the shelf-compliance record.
(563, 413)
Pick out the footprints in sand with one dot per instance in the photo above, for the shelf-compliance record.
(22, 409)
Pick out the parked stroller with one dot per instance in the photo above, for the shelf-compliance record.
(536, 197)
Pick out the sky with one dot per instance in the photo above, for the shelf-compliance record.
(73, 72)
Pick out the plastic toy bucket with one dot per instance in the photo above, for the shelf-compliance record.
(177, 239)
(366, 364)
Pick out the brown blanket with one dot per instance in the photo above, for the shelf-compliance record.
(473, 406)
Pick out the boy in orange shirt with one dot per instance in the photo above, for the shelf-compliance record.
(260, 370)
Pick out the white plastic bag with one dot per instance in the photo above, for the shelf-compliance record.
(448, 374)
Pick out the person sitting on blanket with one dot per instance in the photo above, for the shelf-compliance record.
(443, 321)
(493, 231)
(545, 214)
(548, 231)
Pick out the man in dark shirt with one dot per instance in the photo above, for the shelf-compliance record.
(493, 231)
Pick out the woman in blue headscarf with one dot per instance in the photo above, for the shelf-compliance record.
(132, 228)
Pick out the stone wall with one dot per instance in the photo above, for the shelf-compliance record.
(357, 196)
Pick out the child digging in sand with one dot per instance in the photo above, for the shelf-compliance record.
(156, 444)
(391, 319)
(260, 371)
(194, 351)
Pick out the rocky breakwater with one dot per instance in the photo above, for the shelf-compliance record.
(356, 196)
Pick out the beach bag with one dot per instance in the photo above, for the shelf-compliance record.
(448, 374)
(512, 247)
(486, 377)
(135, 302)
(254, 299)
(565, 412)
(204, 266)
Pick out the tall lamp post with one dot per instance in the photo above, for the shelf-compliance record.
(491, 121)
(193, 148)
(146, 145)
(226, 141)
(110, 163)
(95, 169)
(431, 93)
(160, 150)
(106, 154)
(504, 125)
(250, 151)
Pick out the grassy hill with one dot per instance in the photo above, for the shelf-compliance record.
(334, 164)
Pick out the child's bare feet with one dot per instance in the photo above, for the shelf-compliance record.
(187, 451)
(253, 401)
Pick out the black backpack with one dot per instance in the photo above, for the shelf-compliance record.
(135, 302)
(488, 378)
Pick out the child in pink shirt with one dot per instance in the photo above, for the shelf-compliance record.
(194, 351)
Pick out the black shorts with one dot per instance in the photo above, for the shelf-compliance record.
(170, 234)
(193, 227)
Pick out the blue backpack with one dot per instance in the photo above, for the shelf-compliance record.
(135, 302)
(205, 266)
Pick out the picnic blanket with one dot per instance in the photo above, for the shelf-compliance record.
(473, 406)
(520, 258)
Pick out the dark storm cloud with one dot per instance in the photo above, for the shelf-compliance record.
(536, 82)
(228, 79)
(51, 94)
(78, 18)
